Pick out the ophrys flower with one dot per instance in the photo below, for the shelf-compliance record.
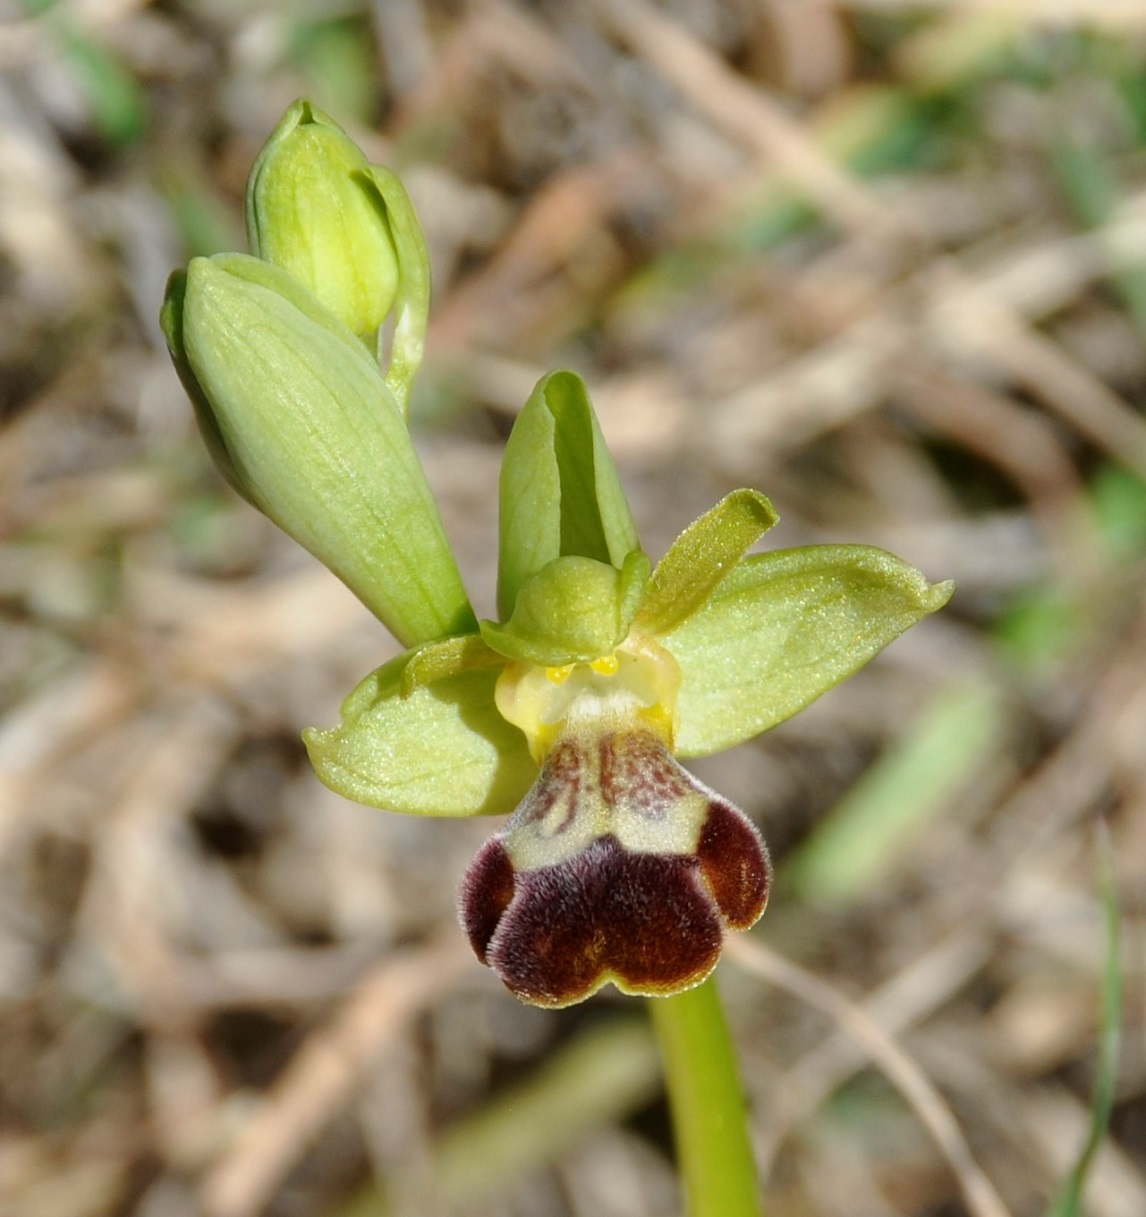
(617, 864)
(575, 705)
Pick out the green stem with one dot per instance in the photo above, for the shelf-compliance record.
(707, 1102)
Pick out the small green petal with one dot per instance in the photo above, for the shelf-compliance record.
(635, 573)
(701, 556)
(450, 657)
(444, 750)
(783, 628)
(574, 610)
(560, 493)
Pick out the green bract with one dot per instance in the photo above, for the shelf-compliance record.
(755, 638)
(301, 422)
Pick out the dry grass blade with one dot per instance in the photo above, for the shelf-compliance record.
(904, 1074)
(325, 1076)
(748, 115)
(1061, 12)
(1041, 366)
(920, 988)
(994, 330)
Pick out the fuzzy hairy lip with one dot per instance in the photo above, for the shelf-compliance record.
(617, 866)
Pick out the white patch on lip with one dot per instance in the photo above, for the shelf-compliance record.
(607, 778)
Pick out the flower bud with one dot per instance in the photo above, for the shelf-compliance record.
(301, 422)
(313, 209)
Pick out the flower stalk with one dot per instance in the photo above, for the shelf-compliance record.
(709, 1112)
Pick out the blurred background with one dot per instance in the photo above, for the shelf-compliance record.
(884, 261)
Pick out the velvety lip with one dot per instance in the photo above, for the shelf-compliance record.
(650, 921)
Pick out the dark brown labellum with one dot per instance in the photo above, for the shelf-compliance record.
(618, 866)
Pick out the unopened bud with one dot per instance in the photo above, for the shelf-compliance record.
(301, 422)
(313, 209)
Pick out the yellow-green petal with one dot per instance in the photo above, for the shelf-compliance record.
(443, 750)
(701, 556)
(782, 629)
(450, 657)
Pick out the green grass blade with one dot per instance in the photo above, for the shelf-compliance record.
(1068, 1203)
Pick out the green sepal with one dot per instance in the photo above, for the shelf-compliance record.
(560, 494)
(450, 657)
(312, 210)
(412, 299)
(574, 610)
(297, 412)
(701, 556)
(171, 323)
(443, 750)
(783, 628)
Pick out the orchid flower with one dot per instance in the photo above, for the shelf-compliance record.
(572, 710)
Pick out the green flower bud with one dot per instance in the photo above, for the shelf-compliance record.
(346, 230)
(313, 209)
(301, 422)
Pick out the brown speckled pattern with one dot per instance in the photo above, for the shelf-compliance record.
(636, 768)
(559, 785)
